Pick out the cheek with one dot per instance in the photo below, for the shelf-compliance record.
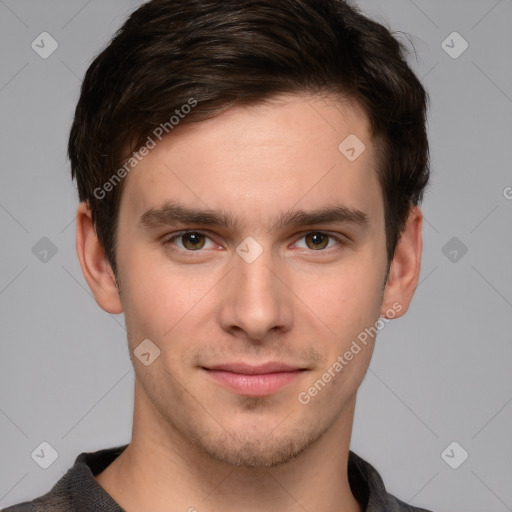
(345, 308)
(346, 299)
(148, 295)
(158, 300)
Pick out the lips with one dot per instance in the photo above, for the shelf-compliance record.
(248, 369)
(254, 380)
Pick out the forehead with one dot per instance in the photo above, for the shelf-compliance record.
(260, 160)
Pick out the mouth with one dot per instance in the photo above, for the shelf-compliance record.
(254, 380)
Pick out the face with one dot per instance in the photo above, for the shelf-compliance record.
(251, 251)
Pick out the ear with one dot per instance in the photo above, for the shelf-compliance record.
(405, 267)
(96, 269)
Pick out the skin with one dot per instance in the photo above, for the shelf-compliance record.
(195, 443)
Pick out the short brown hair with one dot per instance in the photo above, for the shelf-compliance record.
(221, 53)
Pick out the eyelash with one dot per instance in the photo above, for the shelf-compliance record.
(168, 242)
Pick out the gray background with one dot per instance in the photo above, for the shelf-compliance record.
(440, 374)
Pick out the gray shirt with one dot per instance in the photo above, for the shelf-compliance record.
(78, 490)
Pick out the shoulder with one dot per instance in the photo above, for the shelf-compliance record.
(368, 488)
(77, 489)
(401, 506)
(26, 506)
(54, 501)
(44, 503)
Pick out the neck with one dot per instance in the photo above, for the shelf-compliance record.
(162, 472)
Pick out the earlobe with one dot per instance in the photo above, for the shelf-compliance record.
(95, 267)
(405, 267)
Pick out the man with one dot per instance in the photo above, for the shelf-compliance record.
(249, 175)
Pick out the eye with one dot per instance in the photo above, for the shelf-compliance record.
(189, 240)
(317, 240)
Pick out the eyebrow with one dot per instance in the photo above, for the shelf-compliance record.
(171, 214)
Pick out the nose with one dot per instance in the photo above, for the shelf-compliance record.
(256, 302)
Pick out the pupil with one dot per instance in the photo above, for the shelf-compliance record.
(318, 240)
(192, 240)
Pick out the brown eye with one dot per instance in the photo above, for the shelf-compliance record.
(193, 241)
(317, 240)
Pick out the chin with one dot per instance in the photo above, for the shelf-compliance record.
(252, 448)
